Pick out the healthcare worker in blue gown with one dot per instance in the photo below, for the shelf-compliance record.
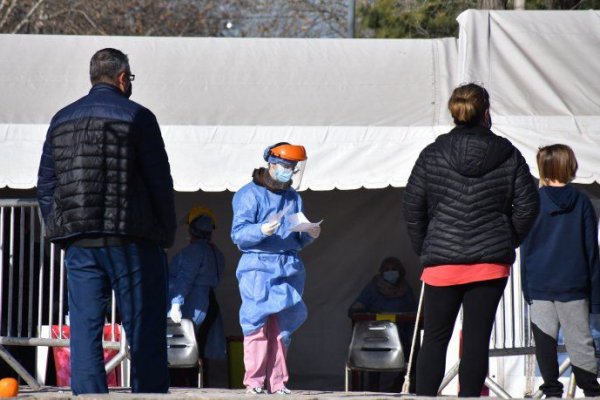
(194, 273)
(271, 275)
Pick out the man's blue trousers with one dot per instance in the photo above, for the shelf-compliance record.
(138, 275)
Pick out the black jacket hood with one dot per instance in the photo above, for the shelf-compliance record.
(473, 151)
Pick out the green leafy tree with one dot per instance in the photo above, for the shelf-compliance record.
(437, 18)
(411, 19)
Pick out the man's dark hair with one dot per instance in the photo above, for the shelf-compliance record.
(107, 64)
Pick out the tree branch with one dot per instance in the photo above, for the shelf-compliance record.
(8, 12)
(90, 21)
(29, 14)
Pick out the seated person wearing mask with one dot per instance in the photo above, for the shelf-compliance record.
(387, 292)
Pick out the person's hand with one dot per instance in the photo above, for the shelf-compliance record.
(314, 232)
(269, 228)
(175, 313)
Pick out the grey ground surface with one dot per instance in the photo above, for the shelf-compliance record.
(206, 394)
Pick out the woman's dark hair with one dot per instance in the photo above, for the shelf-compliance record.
(468, 104)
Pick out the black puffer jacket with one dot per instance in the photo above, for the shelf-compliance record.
(470, 199)
(104, 172)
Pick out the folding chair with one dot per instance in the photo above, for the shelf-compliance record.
(375, 346)
(182, 348)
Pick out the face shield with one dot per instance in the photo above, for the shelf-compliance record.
(285, 172)
(289, 163)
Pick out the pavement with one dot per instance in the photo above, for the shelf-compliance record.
(51, 392)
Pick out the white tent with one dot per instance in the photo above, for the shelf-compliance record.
(363, 108)
(221, 101)
(541, 68)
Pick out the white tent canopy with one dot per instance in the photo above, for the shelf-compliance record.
(360, 107)
(363, 108)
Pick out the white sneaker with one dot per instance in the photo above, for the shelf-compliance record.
(255, 390)
(283, 390)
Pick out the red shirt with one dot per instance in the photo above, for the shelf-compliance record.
(459, 274)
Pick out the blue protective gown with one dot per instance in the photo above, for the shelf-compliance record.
(196, 269)
(270, 274)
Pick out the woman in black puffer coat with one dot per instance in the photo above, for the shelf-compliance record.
(469, 202)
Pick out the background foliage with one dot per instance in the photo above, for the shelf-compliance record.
(252, 18)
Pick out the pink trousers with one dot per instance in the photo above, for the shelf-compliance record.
(264, 357)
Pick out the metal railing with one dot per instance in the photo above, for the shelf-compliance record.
(33, 295)
(511, 334)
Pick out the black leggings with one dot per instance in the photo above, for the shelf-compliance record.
(441, 305)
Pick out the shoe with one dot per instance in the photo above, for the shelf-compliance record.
(283, 390)
(256, 390)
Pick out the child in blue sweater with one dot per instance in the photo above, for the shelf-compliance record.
(561, 272)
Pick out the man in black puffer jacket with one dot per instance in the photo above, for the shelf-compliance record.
(469, 202)
(106, 194)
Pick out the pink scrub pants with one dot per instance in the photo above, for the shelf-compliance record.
(264, 357)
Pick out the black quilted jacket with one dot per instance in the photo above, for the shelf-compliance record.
(104, 172)
(470, 199)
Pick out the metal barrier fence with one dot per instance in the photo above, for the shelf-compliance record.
(33, 290)
(512, 336)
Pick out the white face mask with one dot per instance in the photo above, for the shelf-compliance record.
(391, 276)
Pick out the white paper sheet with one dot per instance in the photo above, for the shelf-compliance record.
(299, 223)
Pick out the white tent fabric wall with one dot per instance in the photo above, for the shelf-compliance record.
(220, 101)
(541, 69)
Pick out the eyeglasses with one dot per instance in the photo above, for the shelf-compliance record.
(128, 75)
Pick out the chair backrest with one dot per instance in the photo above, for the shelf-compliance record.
(182, 348)
(376, 346)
